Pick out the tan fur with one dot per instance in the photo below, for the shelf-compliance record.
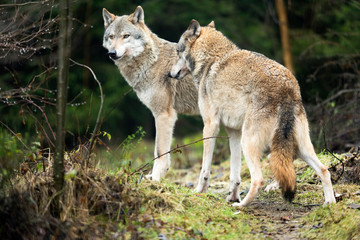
(258, 101)
(144, 60)
(282, 165)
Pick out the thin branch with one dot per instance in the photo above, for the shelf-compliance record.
(20, 4)
(172, 150)
(41, 126)
(96, 128)
(45, 117)
(338, 94)
(13, 133)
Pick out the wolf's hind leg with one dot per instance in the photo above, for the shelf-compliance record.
(307, 153)
(252, 145)
(164, 123)
(235, 164)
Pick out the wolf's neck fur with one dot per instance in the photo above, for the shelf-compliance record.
(134, 69)
(216, 43)
(211, 52)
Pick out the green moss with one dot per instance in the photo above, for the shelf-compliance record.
(338, 221)
(180, 213)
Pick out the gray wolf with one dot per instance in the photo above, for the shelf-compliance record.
(144, 60)
(259, 103)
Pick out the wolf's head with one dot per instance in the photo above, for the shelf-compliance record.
(125, 36)
(184, 48)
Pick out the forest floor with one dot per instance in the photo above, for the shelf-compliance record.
(305, 217)
(99, 203)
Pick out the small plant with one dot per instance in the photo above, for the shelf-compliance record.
(127, 146)
(10, 155)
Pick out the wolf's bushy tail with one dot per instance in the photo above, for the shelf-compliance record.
(283, 151)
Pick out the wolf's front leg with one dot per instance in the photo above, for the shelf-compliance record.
(164, 123)
(211, 129)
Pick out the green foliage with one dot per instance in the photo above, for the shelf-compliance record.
(10, 156)
(130, 143)
(17, 156)
(122, 158)
(324, 42)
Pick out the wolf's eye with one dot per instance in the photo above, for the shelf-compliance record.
(111, 36)
(126, 36)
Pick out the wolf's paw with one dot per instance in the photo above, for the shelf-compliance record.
(201, 188)
(272, 186)
(148, 176)
(233, 198)
(326, 203)
(331, 200)
(153, 177)
(238, 204)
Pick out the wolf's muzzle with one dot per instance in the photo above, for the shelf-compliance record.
(112, 54)
(177, 75)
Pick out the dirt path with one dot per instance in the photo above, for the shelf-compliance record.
(278, 220)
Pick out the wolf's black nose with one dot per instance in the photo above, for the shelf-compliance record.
(112, 54)
(177, 75)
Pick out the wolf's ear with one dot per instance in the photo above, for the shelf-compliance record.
(137, 16)
(194, 27)
(108, 17)
(211, 24)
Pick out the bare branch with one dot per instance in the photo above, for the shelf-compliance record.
(96, 128)
(20, 4)
(338, 94)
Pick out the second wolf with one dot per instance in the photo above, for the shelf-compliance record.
(145, 61)
(259, 103)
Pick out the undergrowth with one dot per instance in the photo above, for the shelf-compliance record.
(100, 204)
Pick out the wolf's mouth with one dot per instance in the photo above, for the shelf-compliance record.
(112, 55)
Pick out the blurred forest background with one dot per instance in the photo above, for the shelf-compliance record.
(325, 46)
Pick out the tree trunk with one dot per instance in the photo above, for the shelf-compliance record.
(284, 33)
(64, 49)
